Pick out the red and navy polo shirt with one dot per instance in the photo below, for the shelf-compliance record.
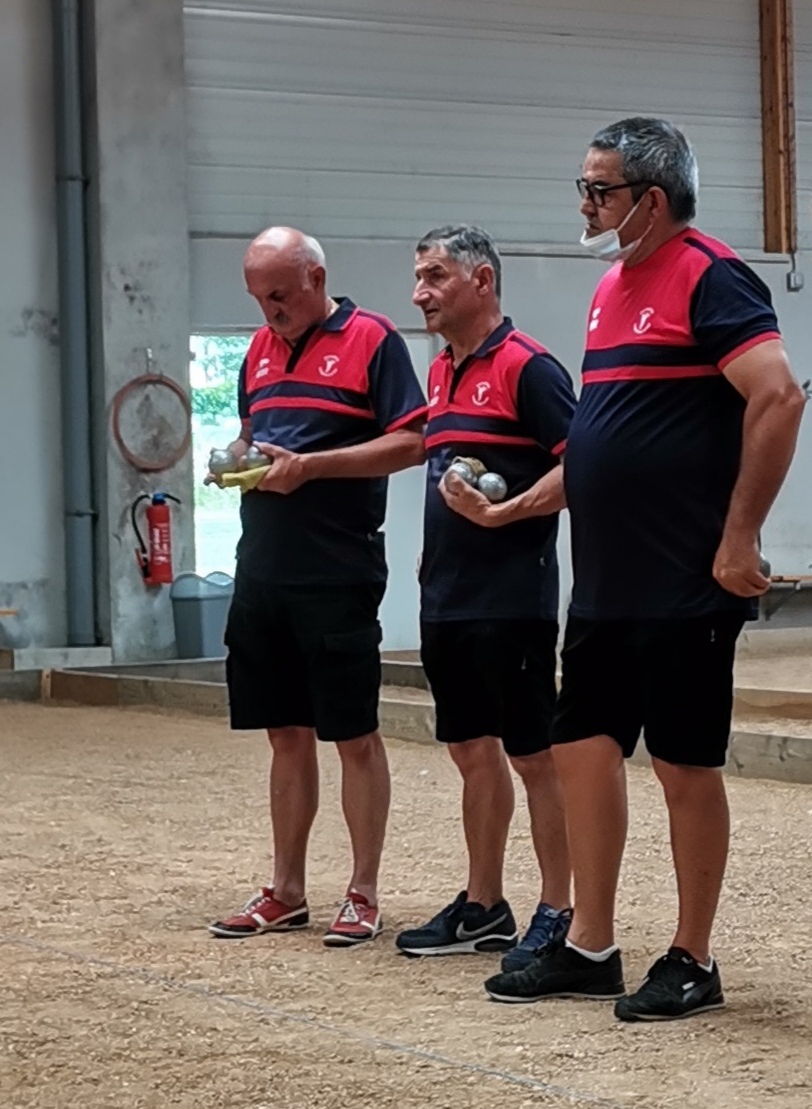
(346, 381)
(653, 452)
(508, 404)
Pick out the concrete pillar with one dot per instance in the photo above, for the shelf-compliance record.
(32, 579)
(139, 277)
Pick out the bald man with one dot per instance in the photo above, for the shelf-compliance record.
(328, 392)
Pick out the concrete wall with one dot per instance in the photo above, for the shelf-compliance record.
(31, 535)
(139, 234)
(139, 298)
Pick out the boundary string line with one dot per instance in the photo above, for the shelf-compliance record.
(144, 974)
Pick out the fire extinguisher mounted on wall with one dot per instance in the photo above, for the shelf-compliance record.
(155, 557)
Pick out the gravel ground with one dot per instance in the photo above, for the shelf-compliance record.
(124, 832)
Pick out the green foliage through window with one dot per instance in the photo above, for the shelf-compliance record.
(215, 369)
(212, 402)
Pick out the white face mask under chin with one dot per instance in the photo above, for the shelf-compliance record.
(606, 247)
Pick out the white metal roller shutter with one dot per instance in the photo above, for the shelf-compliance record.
(363, 120)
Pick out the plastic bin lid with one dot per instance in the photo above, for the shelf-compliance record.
(190, 586)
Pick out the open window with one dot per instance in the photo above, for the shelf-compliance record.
(214, 372)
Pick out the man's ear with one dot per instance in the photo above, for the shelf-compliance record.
(318, 278)
(484, 279)
(658, 202)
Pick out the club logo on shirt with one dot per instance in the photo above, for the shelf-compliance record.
(480, 393)
(435, 396)
(262, 369)
(330, 365)
(644, 323)
(594, 319)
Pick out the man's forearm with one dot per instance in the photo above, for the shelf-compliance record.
(770, 432)
(542, 499)
(398, 450)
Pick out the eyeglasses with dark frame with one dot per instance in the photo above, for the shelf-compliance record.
(597, 193)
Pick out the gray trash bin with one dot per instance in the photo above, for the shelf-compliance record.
(200, 608)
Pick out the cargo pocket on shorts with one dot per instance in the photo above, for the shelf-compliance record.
(348, 682)
(352, 662)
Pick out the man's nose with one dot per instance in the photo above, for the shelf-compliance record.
(587, 208)
(420, 294)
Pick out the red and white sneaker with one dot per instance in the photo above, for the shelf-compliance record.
(263, 913)
(355, 922)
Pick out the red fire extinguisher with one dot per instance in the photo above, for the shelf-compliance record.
(155, 560)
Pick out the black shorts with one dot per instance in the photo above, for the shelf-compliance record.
(305, 656)
(492, 677)
(670, 679)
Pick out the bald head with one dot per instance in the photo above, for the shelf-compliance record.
(285, 272)
(286, 243)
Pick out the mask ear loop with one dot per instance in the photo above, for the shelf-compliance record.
(632, 210)
(629, 216)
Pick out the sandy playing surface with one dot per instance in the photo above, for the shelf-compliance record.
(124, 832)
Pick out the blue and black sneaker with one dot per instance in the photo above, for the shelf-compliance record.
(547, 926)
(462, 928)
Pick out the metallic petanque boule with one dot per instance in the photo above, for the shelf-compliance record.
(493, 486)
(463, 470)
(253, 459)
(221, 462)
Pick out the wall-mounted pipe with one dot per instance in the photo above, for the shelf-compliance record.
(73, 325)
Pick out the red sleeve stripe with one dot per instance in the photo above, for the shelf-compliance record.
(647, 373)
(455, 435)
(757, 340)
(410, 417)
(312, 402)
(559, 448)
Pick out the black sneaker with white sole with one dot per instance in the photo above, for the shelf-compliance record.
(462, 928)
(559, 971)
(675, 987)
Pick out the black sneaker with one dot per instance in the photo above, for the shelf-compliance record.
(675, 987)
(462, 928)
(558, 971)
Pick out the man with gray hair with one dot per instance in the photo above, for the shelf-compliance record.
(328, 393)
(682, 438)
(489, 598)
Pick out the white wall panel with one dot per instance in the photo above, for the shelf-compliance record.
(695, 21)
(358, 121)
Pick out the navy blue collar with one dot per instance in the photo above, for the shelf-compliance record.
(494, 340)
(341, 317)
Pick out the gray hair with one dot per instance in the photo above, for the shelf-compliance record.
(656, 152)
(313, 251)
(469, 245)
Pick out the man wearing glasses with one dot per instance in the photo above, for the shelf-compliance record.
(682, 438)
